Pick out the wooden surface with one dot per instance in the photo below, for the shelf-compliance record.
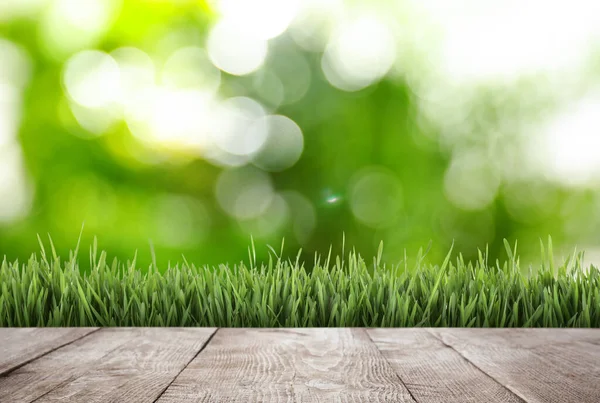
(19, 346)
(435, 372)
(302, 365)
(299, 365)
(538, 365)
(112, 365)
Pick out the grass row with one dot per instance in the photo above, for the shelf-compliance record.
(340, 291)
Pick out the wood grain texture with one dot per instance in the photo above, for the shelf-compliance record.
(136, 371)
(539, 365)
(435, 373)
(21, 345)
(299, 365)
(288, 365)
(63, 365)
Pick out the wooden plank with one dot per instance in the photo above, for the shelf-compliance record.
(136, 371)
(61, 366)
(18, 346)
(539, 365)
(285, 365)
(435, 373)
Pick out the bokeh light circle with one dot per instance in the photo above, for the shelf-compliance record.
(312, 26)
(269, 88)
(239, 126)
(234, 52)
(470, 182)
(303, 215)
(244, 193)
(293, 70)
(15, 67)
(375, 197)
(16, 192)
(137, 72)
(190, 67)
(271, 221)
(283, 146)
(92, 79)
(71, 25)
(178, 220)
(360, 53)
(177, 119)
(264, 19)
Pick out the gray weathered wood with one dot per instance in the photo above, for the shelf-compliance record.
(136, 371)
(21, 345)
(435, 373)
(285, 365)
(63, 365)
(262, 365)
(539, 365)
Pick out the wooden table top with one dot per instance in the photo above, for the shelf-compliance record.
(169, 365)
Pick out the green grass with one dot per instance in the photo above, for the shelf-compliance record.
(333, 291)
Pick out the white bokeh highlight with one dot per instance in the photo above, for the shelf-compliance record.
(498, 41)
(178, 220)
(239, 126)
(292, 68)
(566, 148)
(10, 110)
(92, 79)
(137, 73)
(190, 67)
(12, 9)
(303, 215)
(244, 193)
(283, 146)
(263, 19)
(470, 182)
(71, 25)
(233, 51)
(15, 68)
(314, 23)
(360, 52)
(176, 119)
(16, 191)
(271, 221)
(375, 197)
(269, 88)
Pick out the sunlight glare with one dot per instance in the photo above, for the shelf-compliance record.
(359, 53)
(239, 127)
(261, 19)
(570, 144)
(92, 79)
(71, 25)
(233, 51)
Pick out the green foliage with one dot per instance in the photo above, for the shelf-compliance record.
(340, 291)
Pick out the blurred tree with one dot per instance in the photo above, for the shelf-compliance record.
(375, 163)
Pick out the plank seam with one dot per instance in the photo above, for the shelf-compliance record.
(391, 366)
(58, 386)
(86, 371)
(522, 399)
(292, 388)
(7, 373)
(208, 340)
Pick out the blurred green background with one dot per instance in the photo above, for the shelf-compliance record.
(195, 124)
